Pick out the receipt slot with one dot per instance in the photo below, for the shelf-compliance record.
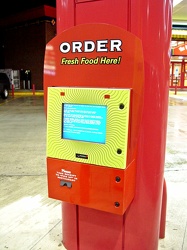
(94, 89)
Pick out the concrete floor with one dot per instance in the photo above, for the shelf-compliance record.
(29, 220)
(176, 174)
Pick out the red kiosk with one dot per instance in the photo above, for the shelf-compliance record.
(108, 68)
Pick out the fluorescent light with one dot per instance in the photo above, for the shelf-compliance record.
(175, 2)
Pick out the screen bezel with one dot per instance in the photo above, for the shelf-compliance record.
(111, 154)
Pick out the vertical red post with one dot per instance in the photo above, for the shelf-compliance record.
(182, 77)
(12, 90)
(145, 213)
(33, 89)
(139, 227)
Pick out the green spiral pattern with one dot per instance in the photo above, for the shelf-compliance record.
(117, 126)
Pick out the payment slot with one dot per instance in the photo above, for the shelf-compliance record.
(93, 82)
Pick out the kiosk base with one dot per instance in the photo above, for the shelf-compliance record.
(91, 229)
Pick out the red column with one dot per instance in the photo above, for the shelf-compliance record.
(153, 25)
(139, 227)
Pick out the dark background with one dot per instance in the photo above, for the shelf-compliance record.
(12, 7)
(23, 38)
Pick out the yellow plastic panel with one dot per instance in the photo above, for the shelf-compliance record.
(113, 152)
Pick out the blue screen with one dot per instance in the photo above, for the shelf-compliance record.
(84, 122)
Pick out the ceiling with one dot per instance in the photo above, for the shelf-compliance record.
(180, 13)
(11, 7)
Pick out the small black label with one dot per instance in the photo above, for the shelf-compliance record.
(81, 156)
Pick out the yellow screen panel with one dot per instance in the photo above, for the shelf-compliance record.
(88, 125)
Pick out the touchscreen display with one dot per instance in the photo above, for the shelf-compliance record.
(84, 122)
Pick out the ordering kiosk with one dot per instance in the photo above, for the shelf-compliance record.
(87, 135)
(93, 85)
